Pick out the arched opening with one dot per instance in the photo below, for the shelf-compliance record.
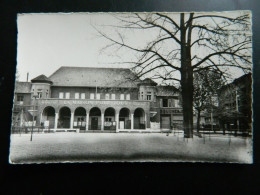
(80, 118)
(95, 119)
(139, 119)
(48, 117)
(64, 118)
(109, 121)
(124, 119)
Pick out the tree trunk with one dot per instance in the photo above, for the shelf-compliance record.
(187, 97)
(186, 82)
(198, 122)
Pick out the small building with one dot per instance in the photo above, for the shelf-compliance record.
(96, 99)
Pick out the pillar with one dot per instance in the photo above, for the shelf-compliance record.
(102, 121)
(145, 120)
(21, 119)
(56, 120)
(117, 122)
(132, 121)
(71, 120)
(87, 121)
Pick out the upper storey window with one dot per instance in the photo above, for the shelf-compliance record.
(149, 96)
(76, 95)
(170, 103)
(61, 95)
(113, 96)
(107, 96)
(92, 96)
(122, 96)
(39, 94)
(67, 95)
(127, 96)
(20, 99)
(82, 96)
(98, 96)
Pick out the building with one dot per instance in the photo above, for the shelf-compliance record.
(96, 99)
(235, 104)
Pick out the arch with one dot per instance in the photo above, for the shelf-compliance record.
(110, 119)
(95, 119)
(80, 118)
(48, 117)
(64, 117)
(124, 118)
(139, 118)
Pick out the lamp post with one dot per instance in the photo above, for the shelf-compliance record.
(237, 109)
(34, 96)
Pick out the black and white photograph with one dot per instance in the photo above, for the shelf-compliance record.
(133, 87)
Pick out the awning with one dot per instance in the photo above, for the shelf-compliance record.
(152, 113)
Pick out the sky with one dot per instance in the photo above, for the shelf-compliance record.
(49, 41)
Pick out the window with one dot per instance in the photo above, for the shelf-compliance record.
(61, 95)
(76, 95)
(98, 96)
(20, 98)
(127, 96)
(82, 96)
(47, 94)
(108, 119)
(165, 102)
(113, 96)
(149, 96)
(39, 94)
(92, 95)
(107, 96)
(67, 95)
(177, 103)
(122, 96)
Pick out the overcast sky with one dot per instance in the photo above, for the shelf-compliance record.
(48, 41)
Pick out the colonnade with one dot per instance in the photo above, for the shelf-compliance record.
(88, 115)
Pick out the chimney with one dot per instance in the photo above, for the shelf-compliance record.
(27, 77)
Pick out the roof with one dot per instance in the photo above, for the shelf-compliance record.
(41, 79)
(244, 79)
(166, 90)
(148, 82)
(92, 77)
(22, 87)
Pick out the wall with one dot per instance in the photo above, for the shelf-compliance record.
(87, 90)
(44, 87)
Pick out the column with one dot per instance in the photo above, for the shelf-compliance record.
(71, 120)
(87, 121)
(21, 119)
(132, 121)
(145, 120)
(102, 121)
(117, 122)
(56, 120)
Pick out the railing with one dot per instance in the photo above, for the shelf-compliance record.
(17, 129)
(94, 127)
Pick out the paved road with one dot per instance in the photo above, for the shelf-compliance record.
(92, 147)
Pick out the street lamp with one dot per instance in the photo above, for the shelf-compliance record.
(237, 109)
(34, 96)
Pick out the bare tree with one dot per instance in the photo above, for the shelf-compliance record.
(181, 44)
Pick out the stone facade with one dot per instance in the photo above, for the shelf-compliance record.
(137, 105)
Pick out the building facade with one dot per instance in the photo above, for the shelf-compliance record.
(235, 104)
(96, 99)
